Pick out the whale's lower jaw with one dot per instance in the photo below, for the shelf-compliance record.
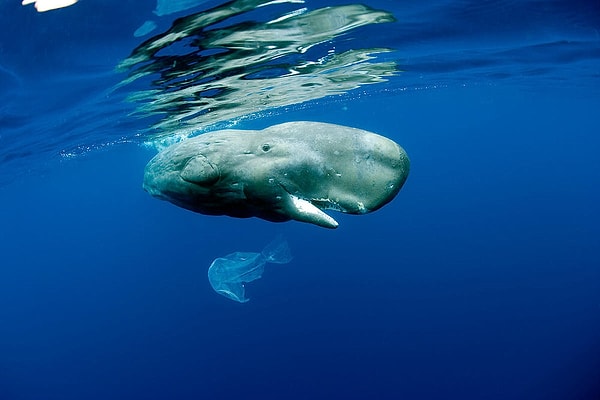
(304, 211)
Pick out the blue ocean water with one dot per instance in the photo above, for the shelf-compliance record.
(481, 280)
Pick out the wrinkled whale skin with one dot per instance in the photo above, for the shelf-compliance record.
(288, 171)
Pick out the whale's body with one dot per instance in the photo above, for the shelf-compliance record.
(287, 171)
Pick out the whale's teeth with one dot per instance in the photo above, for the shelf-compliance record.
(328, 204)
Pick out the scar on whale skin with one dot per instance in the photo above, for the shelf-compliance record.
(290, 171)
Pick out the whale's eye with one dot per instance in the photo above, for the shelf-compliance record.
(266, 147)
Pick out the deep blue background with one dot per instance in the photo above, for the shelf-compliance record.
(481, 280)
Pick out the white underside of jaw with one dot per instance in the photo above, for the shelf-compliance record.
(306, 208)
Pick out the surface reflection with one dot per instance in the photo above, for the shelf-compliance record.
(216, 66)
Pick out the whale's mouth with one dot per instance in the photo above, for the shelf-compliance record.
(323, 203)
(305, 210)
(328, 204)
